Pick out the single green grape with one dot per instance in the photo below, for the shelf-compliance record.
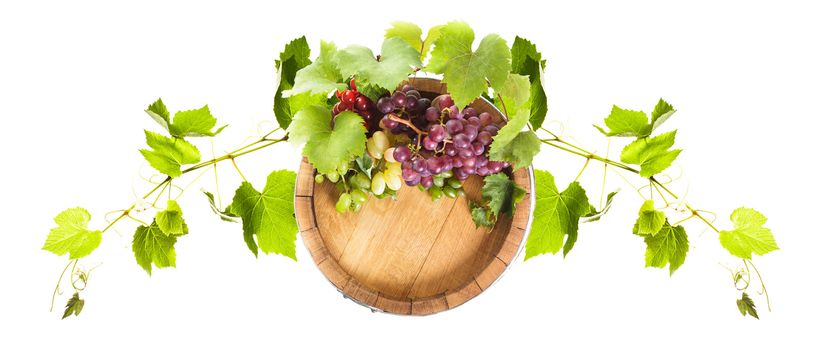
(343, 203)
(319, 178)
(343, 168)
(446, 174)
(438, 181)
(358, 196)
(454, 183)
(361, 180)
(334, 177)
(435, 193)
(450, 191)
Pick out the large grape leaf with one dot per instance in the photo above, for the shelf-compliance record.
(151, 246)
(513, 145)
(526, 60)
(651, 154)
(72, 235)
(167, 154)
(320, 77)
(412, 34)
(294, 57)
(650, 220)
(396, 61)
(556, 215)
(628, 123)
(170, 220)
(327, 148)
(467, 72)
(268, 215)
(514, 95)
(193, 123)
(749, 234)
(668, 246)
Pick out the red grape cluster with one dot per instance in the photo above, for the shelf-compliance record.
(444, 140)
(352, 100)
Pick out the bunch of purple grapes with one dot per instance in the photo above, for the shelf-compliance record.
(454, 143)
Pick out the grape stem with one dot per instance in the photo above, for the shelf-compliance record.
(401, 120)
(558, 143)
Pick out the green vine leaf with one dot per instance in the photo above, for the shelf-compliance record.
(594, 215)
(467, 72)
(74, 306)
(746, 306)
(320, 77)
(556, 215)
(650, 220)
(326, 147)
(151, 246)
(193, 123)
(514, 95)
(268, 215)
(668, 246)
(513, 145)
(501, 194)
(651, 154)
(396, 61)
(627, 123)
(526, 60)
(170, 220)
(294, 57)
(72, 235)
(167, 155)
(482, 217)
(749, 234)
(226, 214)
(412, 34)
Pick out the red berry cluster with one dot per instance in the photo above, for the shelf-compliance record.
(352, 100)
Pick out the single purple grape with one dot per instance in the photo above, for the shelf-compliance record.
(466, 153)
(471, 131)
(398, 99)
(445, 101)
(469, 112)
(437, 133)
(422, 104)
(432, 114)
(478, 148)
(402, 153)
(426, 182)
(389, 123)
(413, 93)
(457, 163)
(491, 129)
(481, 161)
(450, 150)
(469, 162)
(434, 165)
(385, 105)
(409, 175)
(411, 102)
(474, 121)
(419, 165)
(453, 126)
(461, 141)
(484, 138)
(494, 166)
(406, 88)
(429, 144)
(469, 170)
(485, 119)
(413, 182)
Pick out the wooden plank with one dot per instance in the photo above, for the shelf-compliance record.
(316, 247)
(304, 212)
(490, 274)
(305, 179)
(462, 294)
(393, 305)
(360, 293)
(430, 305)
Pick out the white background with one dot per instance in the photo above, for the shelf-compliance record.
(75, 77)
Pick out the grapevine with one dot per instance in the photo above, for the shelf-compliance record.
(363, 125)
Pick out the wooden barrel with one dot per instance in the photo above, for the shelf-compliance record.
(410, 256)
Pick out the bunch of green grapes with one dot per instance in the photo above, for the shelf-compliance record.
(375, 173)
